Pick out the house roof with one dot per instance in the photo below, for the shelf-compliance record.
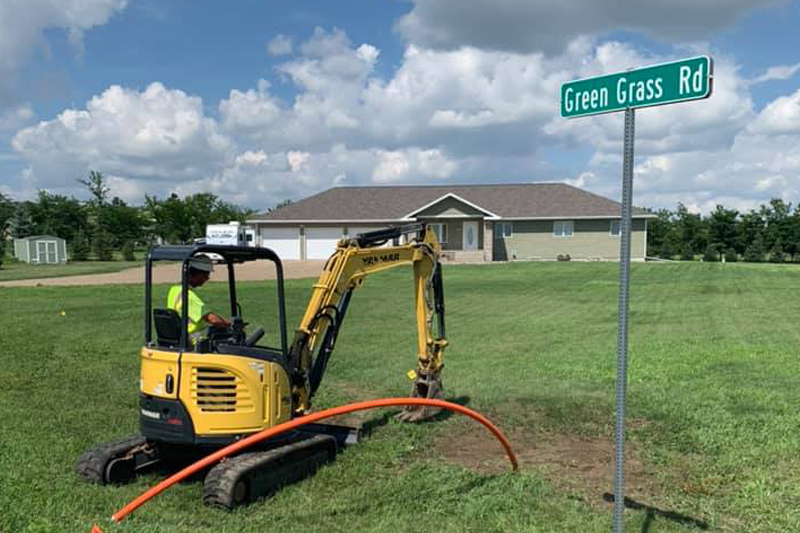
(513, 201)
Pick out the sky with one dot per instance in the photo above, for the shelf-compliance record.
(260, 101)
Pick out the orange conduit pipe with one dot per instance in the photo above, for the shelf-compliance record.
(297, 422)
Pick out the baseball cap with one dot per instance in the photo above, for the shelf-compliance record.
(201, 262)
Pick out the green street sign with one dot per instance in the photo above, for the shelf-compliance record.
(667, 83)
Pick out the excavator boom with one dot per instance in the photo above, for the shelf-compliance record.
(346, 270)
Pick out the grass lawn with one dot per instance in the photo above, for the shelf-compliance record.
(19, 270)
(714, 405)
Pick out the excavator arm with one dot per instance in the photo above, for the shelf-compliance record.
(346, 270)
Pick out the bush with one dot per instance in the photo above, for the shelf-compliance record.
(2, 250)
(127, 251)
(754, 253)
(687, 254)
(101, 246)
(731, 256)
(564, 257)
(79, 248)
(776, 255)
(711, 254)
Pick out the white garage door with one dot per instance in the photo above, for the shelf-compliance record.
(283, 241)
(321, 242)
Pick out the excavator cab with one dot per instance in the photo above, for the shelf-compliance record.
(171, 330)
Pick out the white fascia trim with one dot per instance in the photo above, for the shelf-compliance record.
(491, 216)
(304, 221)
(567, 217)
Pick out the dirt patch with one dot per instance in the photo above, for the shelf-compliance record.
(583, 466)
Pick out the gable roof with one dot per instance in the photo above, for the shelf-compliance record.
(512, 201)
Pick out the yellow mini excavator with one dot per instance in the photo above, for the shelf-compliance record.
(197, 397)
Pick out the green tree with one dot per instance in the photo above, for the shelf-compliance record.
(122, 222)
(79, 247)
(181, 220)
(722, 227)
(2, 250)
(171, 219)
(127, 251)
(659, 234)
(731, 256)
(777, 218)
(711, 253)
(282, 203)
(776, 253)
(98, 187)
(21, 224)
(751, 225)
(53, 214)
(101, 245)
(7, 208)
(755, 250)
(691, 230)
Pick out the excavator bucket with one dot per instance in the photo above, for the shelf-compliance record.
(430, 388)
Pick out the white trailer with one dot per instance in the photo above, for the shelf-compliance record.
(233, 234)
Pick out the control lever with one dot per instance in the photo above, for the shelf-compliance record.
(255, 337)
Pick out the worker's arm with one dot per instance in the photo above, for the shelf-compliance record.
(216, 320)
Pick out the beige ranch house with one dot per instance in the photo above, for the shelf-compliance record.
(475, 223)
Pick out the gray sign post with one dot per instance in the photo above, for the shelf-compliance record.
(679, 81)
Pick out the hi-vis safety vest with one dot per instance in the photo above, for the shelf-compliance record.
(197, 310)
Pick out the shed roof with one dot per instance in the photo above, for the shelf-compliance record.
(29, 237)
(512, 201)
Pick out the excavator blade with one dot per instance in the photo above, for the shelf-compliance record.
(430, 388)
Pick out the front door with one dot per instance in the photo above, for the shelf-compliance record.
(470, 235)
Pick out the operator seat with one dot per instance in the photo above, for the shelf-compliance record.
(168, 327)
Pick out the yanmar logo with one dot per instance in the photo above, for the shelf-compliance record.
(377, 259)
(151, 414)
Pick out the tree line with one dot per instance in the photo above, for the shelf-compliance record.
(94, 229)
(770, 232)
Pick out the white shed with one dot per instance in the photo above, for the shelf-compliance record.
(41, 249)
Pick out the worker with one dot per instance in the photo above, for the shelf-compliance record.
(200, 268)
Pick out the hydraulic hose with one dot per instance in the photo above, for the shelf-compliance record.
(297, 422)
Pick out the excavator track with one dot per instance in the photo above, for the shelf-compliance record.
(242, 479)
(116, 462)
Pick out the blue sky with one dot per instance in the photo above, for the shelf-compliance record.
(259, 101)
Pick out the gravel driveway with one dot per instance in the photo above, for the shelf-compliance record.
(254, 270)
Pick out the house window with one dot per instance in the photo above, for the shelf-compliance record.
(441, 232)
(503, 230)
(614, 229)
(562, 228)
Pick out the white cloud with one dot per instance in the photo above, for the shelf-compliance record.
(464, 115)
(391, 166)
(252, 111)
(780, 72)
(543, 25)
(22, 25)
(154, 134)
(15, 118)
(781, 116)
(280, 45)
(262, 179)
